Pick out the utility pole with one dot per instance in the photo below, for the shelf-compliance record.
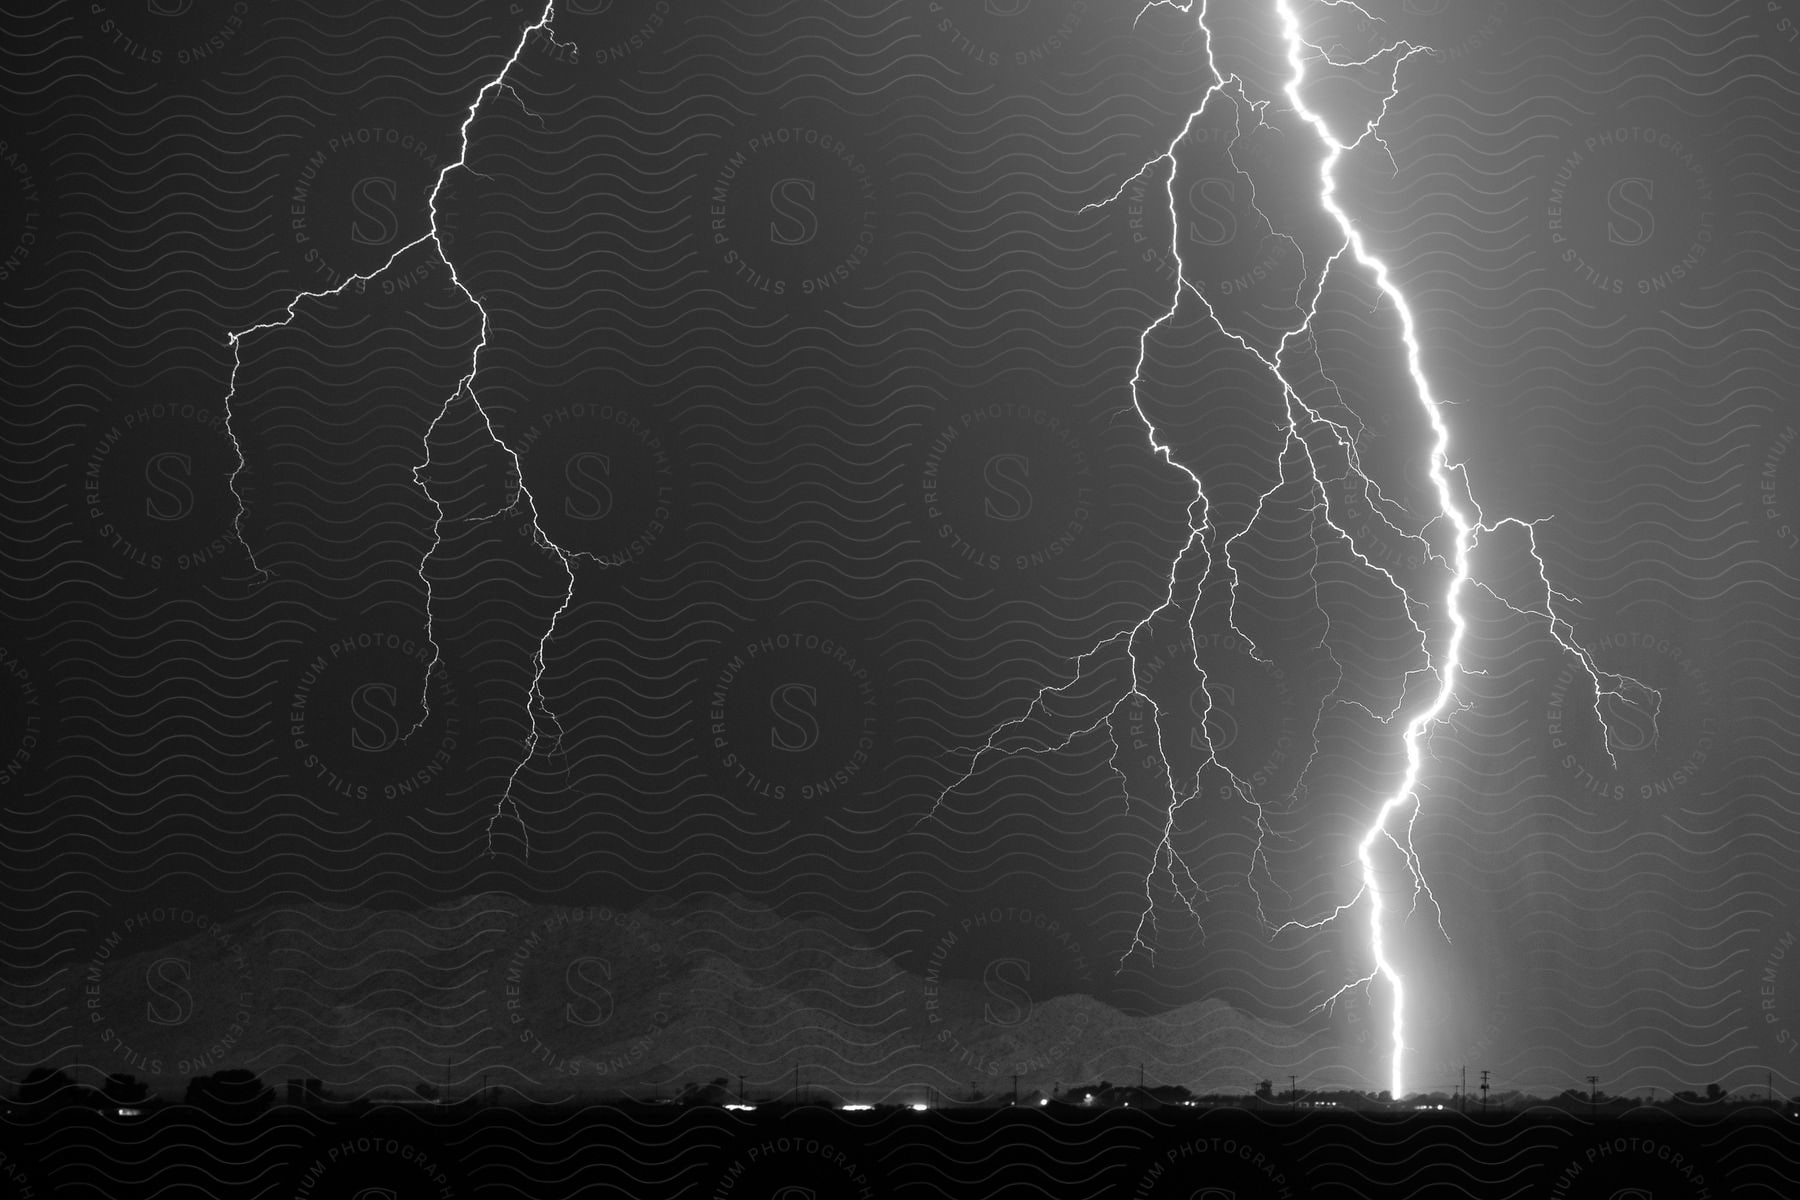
(1140, 1077)
(1293, 1089)
(1015, 1090)
(740, 1089)
(1462, 1092)
(1593, 1094)
(796, 1083)
(1484, 1091)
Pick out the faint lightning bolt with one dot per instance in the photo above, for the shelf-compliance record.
(1301, 417)
(535, 703)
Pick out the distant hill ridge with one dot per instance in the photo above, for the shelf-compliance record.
(492, 990)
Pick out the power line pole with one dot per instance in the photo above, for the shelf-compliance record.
(1293, 1089)
(1484, 1091)
(1462, 1093)
(1015, 1090)
(1593, 1095)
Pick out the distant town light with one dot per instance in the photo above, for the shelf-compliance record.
(855, 1107)
(920, 1107)
(1043, 1101)
(131, 1112)
(741, 1107)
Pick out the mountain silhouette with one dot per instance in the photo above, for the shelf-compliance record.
(550, 1001)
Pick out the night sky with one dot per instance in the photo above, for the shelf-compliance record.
(818, 373)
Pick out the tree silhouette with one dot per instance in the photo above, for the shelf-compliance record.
(236, 1093)
(45, 1085)
(126, 1090)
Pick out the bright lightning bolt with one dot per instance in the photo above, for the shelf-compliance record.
(1446, 666)
(535, 703)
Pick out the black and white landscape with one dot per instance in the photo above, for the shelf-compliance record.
(957, 597)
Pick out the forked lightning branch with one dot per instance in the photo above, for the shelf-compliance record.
(1393, 817)
(538, 713)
